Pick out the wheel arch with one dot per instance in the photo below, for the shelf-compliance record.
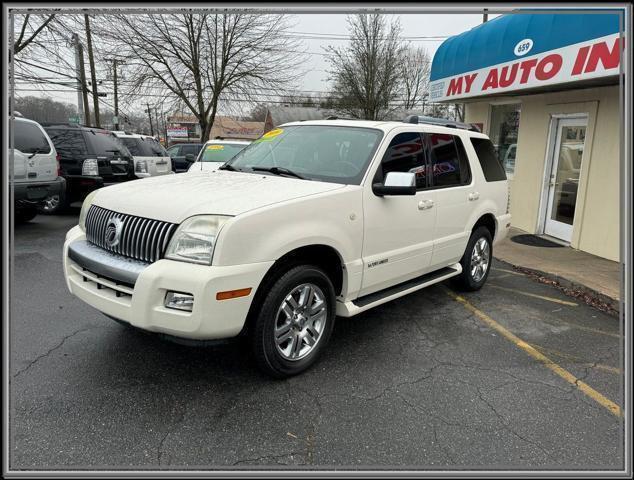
(488, 221)
(324, 256)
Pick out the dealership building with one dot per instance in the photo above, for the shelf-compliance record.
(545, 88)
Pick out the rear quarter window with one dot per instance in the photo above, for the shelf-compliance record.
(491, 166)
(68, 143)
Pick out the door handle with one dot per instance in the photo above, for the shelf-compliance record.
(425, 204)
(32, 174)
(474, 196)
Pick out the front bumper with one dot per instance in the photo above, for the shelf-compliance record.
(142, 304)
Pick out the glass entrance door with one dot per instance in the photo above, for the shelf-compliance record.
(564, 177)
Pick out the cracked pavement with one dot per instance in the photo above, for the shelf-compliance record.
(418, 383)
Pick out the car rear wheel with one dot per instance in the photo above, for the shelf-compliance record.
(294, 321)
(476, 261)
(26, 214)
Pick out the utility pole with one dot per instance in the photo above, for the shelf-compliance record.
(115, 62)
(156, 117)
(149, 114)
(93, 73)
(80, 86)
(84, 107)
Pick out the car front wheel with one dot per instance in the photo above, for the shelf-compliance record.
(294, 321)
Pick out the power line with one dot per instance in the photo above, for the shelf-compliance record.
(242, 100)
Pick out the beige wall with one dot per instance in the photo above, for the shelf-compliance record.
(596, 223)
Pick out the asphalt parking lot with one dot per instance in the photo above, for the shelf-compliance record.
(516, 376)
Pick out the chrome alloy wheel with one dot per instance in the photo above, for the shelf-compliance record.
(300, 321)
(480, 257)
(50, 203)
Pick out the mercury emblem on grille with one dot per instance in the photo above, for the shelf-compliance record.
(113, 231)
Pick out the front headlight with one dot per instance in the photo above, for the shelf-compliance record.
(195, 239)
(85, 206)
(141, 166)
(90, 167)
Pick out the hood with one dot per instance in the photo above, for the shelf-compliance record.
(173, 198)
(205, 166)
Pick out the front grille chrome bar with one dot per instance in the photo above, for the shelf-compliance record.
(142, 239)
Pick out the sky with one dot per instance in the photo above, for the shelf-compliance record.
(413, 25)
(321, 27)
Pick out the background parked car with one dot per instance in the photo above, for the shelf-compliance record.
(35, 168)
(89, 158)
(217, 152)
(183, 155)
(150, 158)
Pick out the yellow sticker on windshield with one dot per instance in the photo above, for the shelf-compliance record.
(270, 134)
(273, 133)
(215, 147)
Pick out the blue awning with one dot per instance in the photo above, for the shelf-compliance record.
(528, 51)
(493, 42)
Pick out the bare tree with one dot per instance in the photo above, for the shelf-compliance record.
(30, 29)
(414, 81)
(257, 113)
(202, 60)
(366, 73)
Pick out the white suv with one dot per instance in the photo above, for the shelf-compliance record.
(150, 158)
(312, 220)
(36, 171)
(215, 153)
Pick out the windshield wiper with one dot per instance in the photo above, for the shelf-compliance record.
(227, 166)
(278, 171)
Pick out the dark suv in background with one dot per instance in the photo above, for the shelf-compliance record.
(89, 158)
(183, 155)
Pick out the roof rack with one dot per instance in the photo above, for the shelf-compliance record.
(443, 122)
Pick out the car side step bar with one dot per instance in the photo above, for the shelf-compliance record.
(361, 304)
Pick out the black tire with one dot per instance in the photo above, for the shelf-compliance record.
(25, 214)
(54, 205)
(466, 281)
(265, 319)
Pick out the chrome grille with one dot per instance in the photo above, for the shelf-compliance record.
(141, 238)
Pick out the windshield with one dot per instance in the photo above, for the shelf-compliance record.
(144, 147)
(316, 152)
(220, 152)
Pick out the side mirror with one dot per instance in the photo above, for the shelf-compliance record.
(190, 157)
(396, 183)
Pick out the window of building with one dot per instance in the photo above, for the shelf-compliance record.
(503, 132)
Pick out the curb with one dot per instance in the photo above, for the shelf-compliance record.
(574, 289)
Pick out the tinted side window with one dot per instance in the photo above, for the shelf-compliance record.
(449, 166)
(489, 161)
(157, 149)
(103, 143)
(187, 149)
(68, 143)
(465, 169)
(29, 138)
(406, 154)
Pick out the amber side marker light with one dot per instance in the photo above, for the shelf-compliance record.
(243, 292)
